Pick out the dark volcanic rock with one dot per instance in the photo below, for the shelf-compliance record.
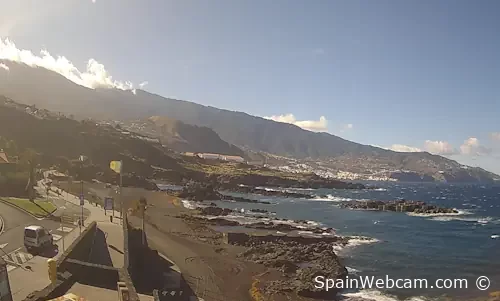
(215, 211)
(398, 206)
(301, 262)
(241, 200)
(199, 192)
(278, 193)
(308, 181)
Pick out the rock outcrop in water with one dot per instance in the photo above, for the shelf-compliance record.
(398, 206)
(300, 259)
(270, 192)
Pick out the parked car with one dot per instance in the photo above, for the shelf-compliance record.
(37, 238)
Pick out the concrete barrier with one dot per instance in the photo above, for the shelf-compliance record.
(80, 248)
(5, 293)
(72, 267)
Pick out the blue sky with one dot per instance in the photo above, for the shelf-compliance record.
(421, 74)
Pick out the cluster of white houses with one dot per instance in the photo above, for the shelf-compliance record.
(210, 156)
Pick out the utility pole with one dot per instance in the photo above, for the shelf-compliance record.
(121, 198)
(82, 199)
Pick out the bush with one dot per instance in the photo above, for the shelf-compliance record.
(14, 184)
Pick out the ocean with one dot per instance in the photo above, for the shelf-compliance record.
(463, 246)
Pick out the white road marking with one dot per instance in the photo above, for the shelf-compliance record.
(56, 237)
(10, 267)
(65, 229)
(18, 257)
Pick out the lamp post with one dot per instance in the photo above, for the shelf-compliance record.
(82, 199)
(143, 203)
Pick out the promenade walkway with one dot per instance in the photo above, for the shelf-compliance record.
(33, 275)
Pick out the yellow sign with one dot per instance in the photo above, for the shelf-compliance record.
(116, 166)
(68, 297)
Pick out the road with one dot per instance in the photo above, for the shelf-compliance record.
(11, 240)
(14, 223)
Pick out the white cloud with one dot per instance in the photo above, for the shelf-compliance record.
(403, 148)
(143, 84)
(320, 125)
(439, 147)
(3, 66)
(346, 127)
(495, 136)
(95, 75)
(472, 146)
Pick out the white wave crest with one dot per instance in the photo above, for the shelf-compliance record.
(189, 204)
(495, 236)
(375, 295)
(352, 270)
(355, 241)
(479, 220)
(460, 212)
(330, 198)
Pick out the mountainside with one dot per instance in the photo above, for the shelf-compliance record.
(182, 137)
(53, 140)
(54, 92)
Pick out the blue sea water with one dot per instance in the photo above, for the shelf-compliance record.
(426, 247)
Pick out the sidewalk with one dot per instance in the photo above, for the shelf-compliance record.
(34, 275)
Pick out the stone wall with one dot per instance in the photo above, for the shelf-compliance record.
(80, 249)
(5, 293)
(125, 273)
(92, 274)
(245, 239)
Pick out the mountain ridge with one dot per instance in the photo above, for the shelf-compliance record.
(182, 137)
(52, 91)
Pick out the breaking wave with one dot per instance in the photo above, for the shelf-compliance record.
(355, 241)
(460, 212)
(330, 198)
(375, 295)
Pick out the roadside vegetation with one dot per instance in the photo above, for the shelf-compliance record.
(38, 208)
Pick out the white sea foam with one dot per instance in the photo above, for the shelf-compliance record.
(478, 219)
(495, 236)
(330, 198)
(189, 204)
(458, 213)
(355, 241)
(380, 189)
(352, 270)
(375, 295)
(317, 235)
(252, 219)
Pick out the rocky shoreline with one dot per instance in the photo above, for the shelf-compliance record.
(416, 207)
(270, 192)
(299, 258)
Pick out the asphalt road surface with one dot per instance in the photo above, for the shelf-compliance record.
(14, 223)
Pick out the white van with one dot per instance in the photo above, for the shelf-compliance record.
(37, 237)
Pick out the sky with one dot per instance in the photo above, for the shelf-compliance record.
(403, 75)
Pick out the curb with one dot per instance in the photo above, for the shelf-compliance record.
(27, 212)
(2, 225)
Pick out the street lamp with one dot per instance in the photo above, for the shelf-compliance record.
(143, 204)
(82, 199)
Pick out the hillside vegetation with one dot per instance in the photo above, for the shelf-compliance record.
(183, 137)
(56, 140)
(54, 92)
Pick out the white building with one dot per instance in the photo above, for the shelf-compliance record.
(233, 159)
